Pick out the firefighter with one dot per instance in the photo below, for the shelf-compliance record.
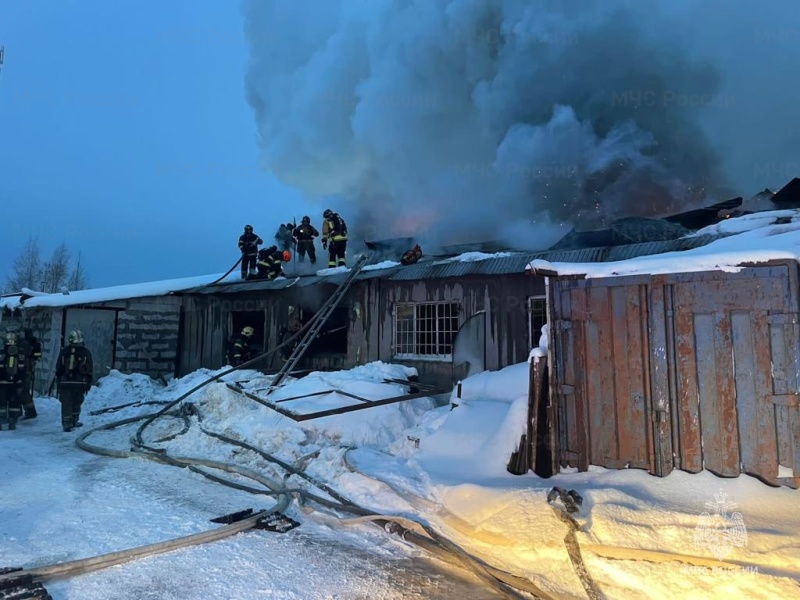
(239, 351)
(248, 244)
(32, 350)
(74, 370)
(12, 374)
(412, 256)
(334, 238)
(304, 235)
(283, 237)
(286, 333)
(269, 262)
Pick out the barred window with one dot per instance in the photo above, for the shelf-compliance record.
(537, 318)
(425, 329)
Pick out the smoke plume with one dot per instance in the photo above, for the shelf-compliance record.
(463, 120)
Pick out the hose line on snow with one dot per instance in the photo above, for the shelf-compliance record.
(432, 542)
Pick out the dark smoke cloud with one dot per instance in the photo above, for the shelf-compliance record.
(457, 120)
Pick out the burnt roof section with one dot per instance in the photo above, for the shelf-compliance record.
(703, 217)
(788, 196)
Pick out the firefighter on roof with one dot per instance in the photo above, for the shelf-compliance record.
(12, 374)
(270, 262)
(283, 237)
(248, 244)
(334, 238)
(305, 234)
(74, 370)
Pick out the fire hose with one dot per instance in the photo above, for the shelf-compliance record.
(415, 533)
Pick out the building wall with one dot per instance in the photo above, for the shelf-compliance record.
(147, 336)
(206, 321)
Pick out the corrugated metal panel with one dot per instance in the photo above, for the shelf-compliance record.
(509, 263)
(700, 364)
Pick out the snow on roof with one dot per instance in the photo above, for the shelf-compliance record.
(108, 294)
(753, 238)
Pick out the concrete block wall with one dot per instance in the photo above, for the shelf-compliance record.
(147, 336)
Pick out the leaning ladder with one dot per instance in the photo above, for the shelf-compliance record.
(319, 320)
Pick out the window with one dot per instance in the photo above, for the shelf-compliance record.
(425, 329)
(537, 318)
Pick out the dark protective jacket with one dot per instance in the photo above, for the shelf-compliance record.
(74, 365)
(12, 364)
(32, 350)
(239, 350)
(270, 263)
(334, 229)
(305, 232)
(248, 243)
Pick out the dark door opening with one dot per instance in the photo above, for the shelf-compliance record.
(333, 337)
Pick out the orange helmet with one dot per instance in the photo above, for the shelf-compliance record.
(287, 256)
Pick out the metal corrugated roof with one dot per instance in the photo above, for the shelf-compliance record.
(505, 264)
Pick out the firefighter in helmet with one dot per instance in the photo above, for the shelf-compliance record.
(74, 370)
(283, 237)
(334, 238)
(270, 262)
(12, 374)
(240, 347)
(248, 245)
(305, 234)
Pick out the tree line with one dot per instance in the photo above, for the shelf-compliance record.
(60, 272)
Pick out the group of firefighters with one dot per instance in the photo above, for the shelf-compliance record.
(267, 262)
(18, 358)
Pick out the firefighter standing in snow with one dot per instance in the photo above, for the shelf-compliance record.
(269, 262)
(31, 349)
(334, 238)
(74, 370)
(305, 234)
(240, 347)
(248, 244)
(12, 374)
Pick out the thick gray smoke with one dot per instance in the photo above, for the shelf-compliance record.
(462, 120)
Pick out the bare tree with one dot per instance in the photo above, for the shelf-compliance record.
(27, 269)
(78, 280)
(56, 270)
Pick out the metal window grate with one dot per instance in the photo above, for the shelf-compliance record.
(537, 318)
(425, 329)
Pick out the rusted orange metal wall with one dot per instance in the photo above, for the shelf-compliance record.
(686, 371)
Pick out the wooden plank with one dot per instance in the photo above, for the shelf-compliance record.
(691, 453)
(637, 424)
(726, 397)
(746, 380)
(707, 391)
(601, 420)
(661, 359)
(766, 465)
(580, 442)
(624, 431)
(780, 366)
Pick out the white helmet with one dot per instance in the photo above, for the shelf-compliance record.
(75, 337)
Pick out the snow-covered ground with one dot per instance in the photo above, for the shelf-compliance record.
(442, 465)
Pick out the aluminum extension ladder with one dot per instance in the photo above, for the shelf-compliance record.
(322, 316)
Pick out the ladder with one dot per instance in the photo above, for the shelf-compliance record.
(319, 320)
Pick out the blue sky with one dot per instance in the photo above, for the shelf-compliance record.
(125, 132)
